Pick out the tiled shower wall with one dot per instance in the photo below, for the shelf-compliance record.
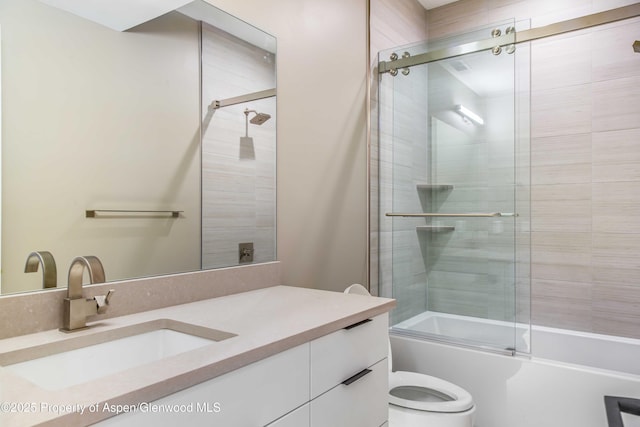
(585, 130)
(392, 23)
(404, 131)
(586, 172)
(467, 270)
(238, 176)
(403, 134)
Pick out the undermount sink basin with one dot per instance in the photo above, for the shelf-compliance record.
(65, 363)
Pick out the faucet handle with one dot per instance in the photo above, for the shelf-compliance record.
(103, 301)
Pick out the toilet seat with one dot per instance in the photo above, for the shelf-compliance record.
(457, 412)
(461, 399)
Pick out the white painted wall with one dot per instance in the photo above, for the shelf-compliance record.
(321, 136)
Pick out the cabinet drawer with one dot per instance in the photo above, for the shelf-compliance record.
(254, 395)
(362, 403)
(297, 418)
(339, 355)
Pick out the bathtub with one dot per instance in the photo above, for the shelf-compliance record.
(553, 344)
(555, 378)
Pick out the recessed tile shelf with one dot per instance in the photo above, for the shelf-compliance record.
(435, 187)
(436, 228)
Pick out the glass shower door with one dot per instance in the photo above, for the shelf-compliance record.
(451, 205)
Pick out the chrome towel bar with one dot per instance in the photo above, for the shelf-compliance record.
(93, 212)
(453, 215)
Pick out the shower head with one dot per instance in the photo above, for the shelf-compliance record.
(259, 118)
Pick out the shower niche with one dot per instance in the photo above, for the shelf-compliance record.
(454, 189)
(431, 196)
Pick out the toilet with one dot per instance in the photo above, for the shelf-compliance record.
(418, 400)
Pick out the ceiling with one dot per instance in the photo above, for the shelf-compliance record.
(431, 4)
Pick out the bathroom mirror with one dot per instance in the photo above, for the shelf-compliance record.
(130, 145)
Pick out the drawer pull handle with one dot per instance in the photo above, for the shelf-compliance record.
(362, 322)
(356, 377)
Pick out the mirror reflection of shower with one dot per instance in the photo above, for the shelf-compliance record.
(258, 119)
(246, 142)
(247, 150)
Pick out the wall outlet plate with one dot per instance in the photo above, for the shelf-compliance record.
(245, 252)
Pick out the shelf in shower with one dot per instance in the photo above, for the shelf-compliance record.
(436, 228)
(435, 187)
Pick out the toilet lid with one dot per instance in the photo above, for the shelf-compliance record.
(456, 399)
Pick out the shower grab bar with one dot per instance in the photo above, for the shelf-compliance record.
(453, 215)
(92, 213)
(242, 99)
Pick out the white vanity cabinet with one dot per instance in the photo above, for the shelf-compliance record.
(349, 376)
(297, 418)
(251, 396)
(338, 380)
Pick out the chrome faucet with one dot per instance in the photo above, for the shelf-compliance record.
(76, 307)
(49, 271)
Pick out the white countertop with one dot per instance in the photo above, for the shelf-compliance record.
(266, 321)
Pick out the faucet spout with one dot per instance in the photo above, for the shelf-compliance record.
(49, 271)
(76, 307)
(76, 271)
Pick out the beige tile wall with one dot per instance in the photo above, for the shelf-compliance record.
(585, 128)
(392, 23)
